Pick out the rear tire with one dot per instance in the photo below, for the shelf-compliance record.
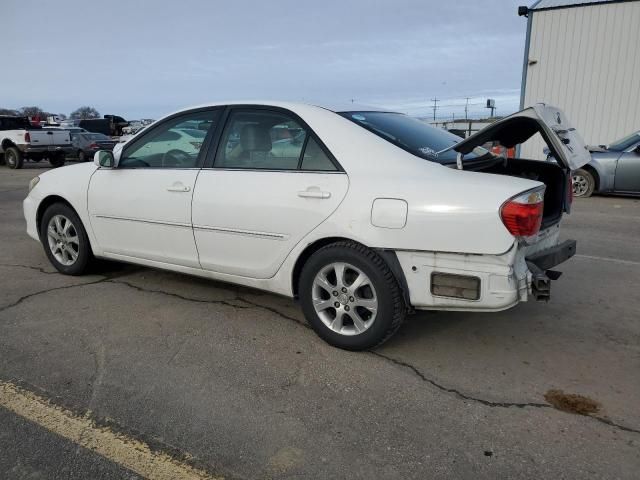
(583, 183)
(358, 309)
(65, 240)
(57, 160)
(13, 157)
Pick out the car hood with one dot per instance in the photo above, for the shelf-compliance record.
(564, 142)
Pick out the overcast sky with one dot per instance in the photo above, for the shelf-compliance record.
(147, 58)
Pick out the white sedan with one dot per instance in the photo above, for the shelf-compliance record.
(364, 215)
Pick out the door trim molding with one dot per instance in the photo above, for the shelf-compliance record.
(249, 233)
(143, 220)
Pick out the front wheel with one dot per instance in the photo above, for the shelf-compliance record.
(350, 297)
(65, 240)
(583, 183)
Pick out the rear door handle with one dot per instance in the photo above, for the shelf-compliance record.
(314, 194)
(178, 187)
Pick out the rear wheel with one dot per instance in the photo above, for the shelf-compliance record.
(57, 160)
(583, 183)
(13, 157)
(65, 240)
(350, 297)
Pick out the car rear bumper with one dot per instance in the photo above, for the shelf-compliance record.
(27, 149)
(489, 283)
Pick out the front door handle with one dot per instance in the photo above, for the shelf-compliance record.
(314, 193)
(178, 187)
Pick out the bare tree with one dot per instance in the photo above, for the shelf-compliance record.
(84, 113)
(33, 112)
(8, 111)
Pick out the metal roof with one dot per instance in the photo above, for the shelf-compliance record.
(552, 4)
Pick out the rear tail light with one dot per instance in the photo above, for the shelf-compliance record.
(522, 215)
(570, 188)
(94, 145)
(27, 137)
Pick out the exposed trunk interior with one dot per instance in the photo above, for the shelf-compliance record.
(553, 176)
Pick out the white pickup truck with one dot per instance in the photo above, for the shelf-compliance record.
(20, 141)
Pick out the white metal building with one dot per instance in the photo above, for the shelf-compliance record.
(584, 57)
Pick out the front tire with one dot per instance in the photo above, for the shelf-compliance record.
(13, 157)
(583, 183)
(65, 240)
(350, 297)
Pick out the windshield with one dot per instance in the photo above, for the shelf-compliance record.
(412, 135)
(626, 142)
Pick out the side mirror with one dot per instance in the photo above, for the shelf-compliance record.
(104, 158)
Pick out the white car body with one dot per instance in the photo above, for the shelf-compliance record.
(253, 227)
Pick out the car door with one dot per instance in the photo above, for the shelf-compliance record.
(627, 177)
(271, 182)
(142, 208)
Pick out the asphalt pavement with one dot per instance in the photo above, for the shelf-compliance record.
(231, 382)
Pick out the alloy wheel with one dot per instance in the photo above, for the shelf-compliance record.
(580, 185)
(63, 240)
(344, 298)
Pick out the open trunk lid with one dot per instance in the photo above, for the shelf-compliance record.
(564, 142)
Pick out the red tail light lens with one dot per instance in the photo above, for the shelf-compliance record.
(94, 146)
(27, 137)
(570, 187)
(522, 215)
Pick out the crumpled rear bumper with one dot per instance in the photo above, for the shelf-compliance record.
(541, 263)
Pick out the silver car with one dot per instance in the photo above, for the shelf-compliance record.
(614, 168)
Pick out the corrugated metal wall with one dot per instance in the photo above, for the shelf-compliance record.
(588, 64)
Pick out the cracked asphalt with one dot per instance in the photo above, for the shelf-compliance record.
(234, 380)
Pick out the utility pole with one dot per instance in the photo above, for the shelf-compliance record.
(466, 108)
(435, 107)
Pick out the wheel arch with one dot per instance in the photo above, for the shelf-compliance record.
(389, 257)
(7, 143)
(596, 175)
(46, 203)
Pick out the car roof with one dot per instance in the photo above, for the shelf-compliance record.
(334, 107)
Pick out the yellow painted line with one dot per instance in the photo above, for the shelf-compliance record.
(81, 430)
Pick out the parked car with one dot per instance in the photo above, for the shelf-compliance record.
(87, 144)
(110, 125)
(20, 141)
(614, 168)
(372, 215)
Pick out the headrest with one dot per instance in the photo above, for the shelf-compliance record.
(255, 138)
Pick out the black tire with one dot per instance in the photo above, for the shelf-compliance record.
(583, 183)
(13, 157)
(391, 308)
(81, 156)
(84, 253)
(57, 160)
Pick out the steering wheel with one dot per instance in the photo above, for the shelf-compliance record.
(175, 158)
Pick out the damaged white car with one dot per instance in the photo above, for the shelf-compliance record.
(364, 215)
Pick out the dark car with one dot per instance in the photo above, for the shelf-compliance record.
(86, 144)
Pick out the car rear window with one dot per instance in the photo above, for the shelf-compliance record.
(412, 135)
